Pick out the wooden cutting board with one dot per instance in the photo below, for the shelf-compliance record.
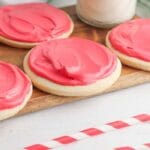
(40, 100)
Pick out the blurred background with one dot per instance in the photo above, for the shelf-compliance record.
(143, 8)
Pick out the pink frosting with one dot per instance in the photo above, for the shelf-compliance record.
(72, 61)
(33, 22)
(132, 38)
(14, 86)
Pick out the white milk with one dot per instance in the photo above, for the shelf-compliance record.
(105, 13)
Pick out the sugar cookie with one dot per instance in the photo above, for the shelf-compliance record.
(130, 41)
(72, 67)
(15, 90)
(26, 25)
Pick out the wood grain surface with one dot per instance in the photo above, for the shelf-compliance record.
(40, 100)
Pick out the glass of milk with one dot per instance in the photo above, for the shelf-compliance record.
(105, 13)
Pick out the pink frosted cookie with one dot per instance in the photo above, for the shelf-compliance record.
(131, 42)
(26, 25)
(72, 67)
(15, 90)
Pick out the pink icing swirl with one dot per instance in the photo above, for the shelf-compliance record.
(14, 86)
(72, 61)
(132, 38)
(33, 22)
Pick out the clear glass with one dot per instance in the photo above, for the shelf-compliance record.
(105, 13)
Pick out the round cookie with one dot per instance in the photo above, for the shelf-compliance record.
(130, 42)
(15, 90)
(72, 67)
(27, 25)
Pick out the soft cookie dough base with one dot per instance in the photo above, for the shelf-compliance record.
(128, 60)
(62, 90)
(4, 114)
(27, 45)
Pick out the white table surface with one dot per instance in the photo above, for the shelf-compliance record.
(18, 132)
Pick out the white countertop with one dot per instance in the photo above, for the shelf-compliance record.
(41, 126)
